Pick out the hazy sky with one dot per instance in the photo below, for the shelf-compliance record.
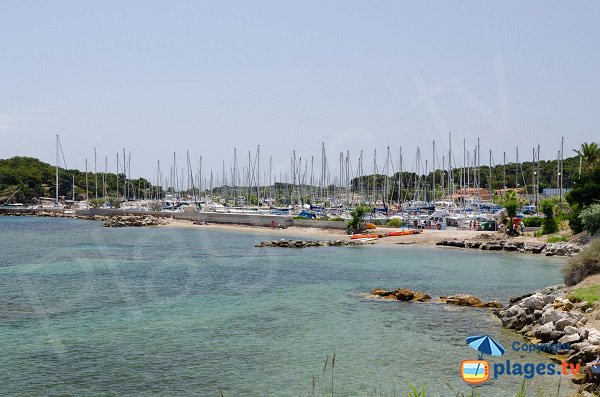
(163, 76)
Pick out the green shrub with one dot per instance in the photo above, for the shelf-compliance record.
(336, 219)
(583, 265)
(377, 222)
(590, 218)
(357, 214)
(550, 222)
(533, 221)
(574, 221)
(394, 222)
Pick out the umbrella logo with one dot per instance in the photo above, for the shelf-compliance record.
(478, 371)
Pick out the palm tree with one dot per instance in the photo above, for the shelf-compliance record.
(589, 152)
(511, 205)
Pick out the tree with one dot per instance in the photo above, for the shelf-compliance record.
(590, 153)
(585, 192)
(590, 218)
(357, 214)
(550, 223)
(511, 205)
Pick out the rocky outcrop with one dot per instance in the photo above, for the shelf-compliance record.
(469, 300)
(558, 249)
(401, 294)
(308, 243)
(546, 316)
(132, 221)
(405, 294)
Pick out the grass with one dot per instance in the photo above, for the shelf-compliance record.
(586, 294)
(557, 238)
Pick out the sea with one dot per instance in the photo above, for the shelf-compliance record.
(162, 311)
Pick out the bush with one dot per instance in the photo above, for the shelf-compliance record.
(590, 219)
(550, 223)
(357, 214)
(533, 221)
(336, 219)
(574, 221)
(394, 222)
(377, 222)
(583, 265)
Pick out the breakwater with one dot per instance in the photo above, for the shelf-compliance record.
(264, 220)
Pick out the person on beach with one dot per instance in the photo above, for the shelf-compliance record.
(592, 370)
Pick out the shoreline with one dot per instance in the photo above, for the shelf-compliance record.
(429, 237)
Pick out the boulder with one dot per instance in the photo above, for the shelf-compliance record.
(462, 300)
(564, 322)
(593, 336)
(563, 304)
(582, 352)
(572, 338)
(569, 330)
(492, 305)
(537, 301)
(421, 297)
(544, 332)
(381, 292)
(404, 294)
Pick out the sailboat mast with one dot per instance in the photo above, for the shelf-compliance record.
(87, 187)
(56, 193)
(433, 169)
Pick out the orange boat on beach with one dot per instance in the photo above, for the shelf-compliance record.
(404, 233)
(363, 235)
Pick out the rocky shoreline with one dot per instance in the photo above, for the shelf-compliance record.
(308, 243)
(548, 249)
(548, 317)
(109, 220)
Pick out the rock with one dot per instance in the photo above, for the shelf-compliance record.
(571, 330)
(381, 292)
(462, 300)
(472, 244)
(491, 246)
(401, 294)
(404, 294)
(492, 304)
(537, 301)
(544, 332)
(510, 247)
(563, 304)
(582, 352)
(593, 336)
(572, 338)
(421, 297)
(564, 322)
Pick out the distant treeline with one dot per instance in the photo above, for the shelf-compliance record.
(24, 179)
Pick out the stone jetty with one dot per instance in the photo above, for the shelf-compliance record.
(132, 221)
(548, 249)
(308, 243)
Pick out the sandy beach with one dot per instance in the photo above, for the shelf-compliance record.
(427, 238)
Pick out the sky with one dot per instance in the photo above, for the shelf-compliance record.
(157, 77)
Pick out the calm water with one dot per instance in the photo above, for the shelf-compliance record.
(86, 310)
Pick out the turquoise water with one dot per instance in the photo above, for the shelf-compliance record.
(86, 310)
